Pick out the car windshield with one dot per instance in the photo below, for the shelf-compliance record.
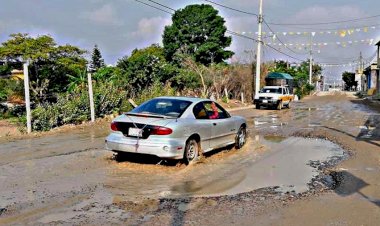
(162, 107)
(271, 90)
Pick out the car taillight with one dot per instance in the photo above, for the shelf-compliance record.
(114, 126)
(158, 130)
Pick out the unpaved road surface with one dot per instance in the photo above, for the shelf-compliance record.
(317, 163)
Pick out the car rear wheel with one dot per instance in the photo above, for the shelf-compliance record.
(241, 137)
(191, 151)
(257, 106)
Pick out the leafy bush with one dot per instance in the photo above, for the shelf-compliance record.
(10, 88)
(74, 108)
(156, 90)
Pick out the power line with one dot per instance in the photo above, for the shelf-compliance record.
(153, 6)
(294, 24)
(324, 23)
(228, 31)
(230, 8)
(277, 50)
(165, 6)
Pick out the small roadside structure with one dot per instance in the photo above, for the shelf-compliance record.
(279, 79)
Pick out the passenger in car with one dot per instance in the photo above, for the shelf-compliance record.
(215, 114)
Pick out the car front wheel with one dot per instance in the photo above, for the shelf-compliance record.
(191, 151)
(241, 137)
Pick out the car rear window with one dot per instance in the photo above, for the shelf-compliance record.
(162, 106)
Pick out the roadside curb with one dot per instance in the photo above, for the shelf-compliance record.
(240, 108)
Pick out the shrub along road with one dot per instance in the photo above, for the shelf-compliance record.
(66, 177)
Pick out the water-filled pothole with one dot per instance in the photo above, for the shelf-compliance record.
(286, 163)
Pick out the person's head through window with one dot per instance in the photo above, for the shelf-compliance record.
(215, 113)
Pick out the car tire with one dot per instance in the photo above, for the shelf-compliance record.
(288, 106)
(257, 106)
(279, 105)
(191, 151)
(241, 137)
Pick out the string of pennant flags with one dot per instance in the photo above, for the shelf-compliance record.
(351, 64)
(301, 46)
(341, 65)
(338, 32)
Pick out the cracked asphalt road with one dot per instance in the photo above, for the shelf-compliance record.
(69, 178)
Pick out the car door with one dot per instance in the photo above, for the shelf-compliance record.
(223, 129)
(202, 126)
(285, 96)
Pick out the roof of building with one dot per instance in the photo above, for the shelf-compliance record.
(279, 75)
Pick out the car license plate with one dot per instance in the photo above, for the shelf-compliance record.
(135, 132)
(265, 101)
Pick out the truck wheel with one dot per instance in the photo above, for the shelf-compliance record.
(288, 106)
(279, 106)
(257, 106)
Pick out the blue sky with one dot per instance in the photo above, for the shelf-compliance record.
(119, 26)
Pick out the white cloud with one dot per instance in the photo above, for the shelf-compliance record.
(151, 28)
(105, 15)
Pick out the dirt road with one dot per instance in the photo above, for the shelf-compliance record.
(279, 178)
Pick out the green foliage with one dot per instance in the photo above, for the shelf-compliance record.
(349, 80)
(197, 30)
(113, 74)
(185, 79)
(9, 88)
(78, 81)
(74, 108)
(144, 67)
(49, 63)
(156, 90)
(97, 61)
(5, 69)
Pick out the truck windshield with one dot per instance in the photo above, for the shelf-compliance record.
(271, 90)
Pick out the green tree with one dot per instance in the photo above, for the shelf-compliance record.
(349, 80)
(49, 63)
(146, 66)
(197, 30)
(97, 61)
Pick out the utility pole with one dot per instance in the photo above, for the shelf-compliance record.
(27, 97)
(361, 70)
(92, 109)
(258, 54)
(311, 58)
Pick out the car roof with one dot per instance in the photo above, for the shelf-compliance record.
(273, 87)
(191, 99)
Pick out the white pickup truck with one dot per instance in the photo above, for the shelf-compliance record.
(274, 97)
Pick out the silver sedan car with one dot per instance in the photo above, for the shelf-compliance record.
(176, 128)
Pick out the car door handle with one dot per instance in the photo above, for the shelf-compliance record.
(214, 124)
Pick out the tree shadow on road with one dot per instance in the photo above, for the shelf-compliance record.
(348, 184)
(358, 138)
